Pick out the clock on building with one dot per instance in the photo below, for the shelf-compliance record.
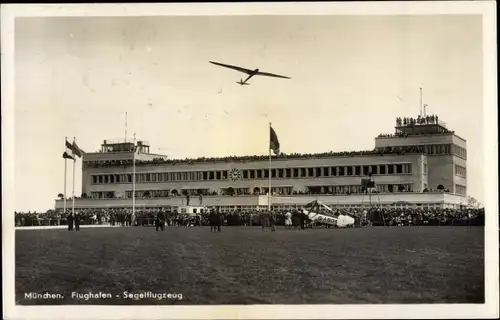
(235, 174)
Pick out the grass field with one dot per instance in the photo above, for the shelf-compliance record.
(248, 266)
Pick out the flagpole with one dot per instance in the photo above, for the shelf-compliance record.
(126, 116)
(420, 101)
(65, 174)
(269, 193)
(74, 162)
(133, 179)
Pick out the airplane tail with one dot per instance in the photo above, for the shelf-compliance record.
(242, 83)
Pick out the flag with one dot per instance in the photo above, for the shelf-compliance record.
(76, 149)
(68, 154)
(274, 142)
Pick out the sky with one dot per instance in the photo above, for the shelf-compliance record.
(351, 77)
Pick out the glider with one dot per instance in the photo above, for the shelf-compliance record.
(249, 72)
(313, 208)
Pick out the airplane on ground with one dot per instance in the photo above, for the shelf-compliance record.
(250, 73)
(313, 208)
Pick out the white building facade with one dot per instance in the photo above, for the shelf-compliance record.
(421, 164)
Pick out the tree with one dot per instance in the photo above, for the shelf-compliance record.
(401, 188)
(473, 202)
(230, 191)
(440, 187)
(60, 196)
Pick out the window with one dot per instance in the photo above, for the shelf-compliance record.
(357, 170)
(381, 169)
(295, 172)
(280, 173)
(288, 173)
(318, 172)
(349, 171)
(302, 172)
(259, 174)
(310, 172)
(460, 171)
(460, 190)
(366, 170)
(341, 171)
(94, 179)
(390, 169)
(399, 169)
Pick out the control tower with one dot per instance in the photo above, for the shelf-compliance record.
(446, 162)
(123, 146)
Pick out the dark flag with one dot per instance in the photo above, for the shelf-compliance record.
(274, 142)
(67, 156)
(76, 150)
(69, 153)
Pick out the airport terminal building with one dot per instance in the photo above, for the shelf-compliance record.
(421, 164)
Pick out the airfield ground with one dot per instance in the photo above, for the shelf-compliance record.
(243, 265)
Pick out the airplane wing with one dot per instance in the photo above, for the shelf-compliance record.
(247, 71)
(271, 75)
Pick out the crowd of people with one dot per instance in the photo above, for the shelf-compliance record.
(149, 217)
(163, 161)
(408, 121)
